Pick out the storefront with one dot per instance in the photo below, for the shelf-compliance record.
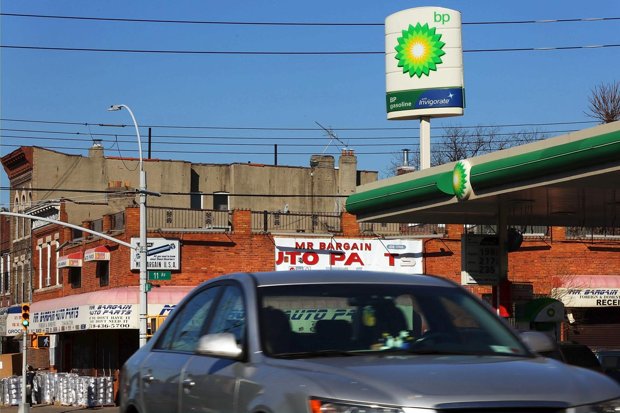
(106, 322)
(592, 309)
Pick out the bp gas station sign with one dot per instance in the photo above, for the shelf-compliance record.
(424, 63)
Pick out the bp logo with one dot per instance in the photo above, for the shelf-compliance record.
(461, 180)
(419, 50)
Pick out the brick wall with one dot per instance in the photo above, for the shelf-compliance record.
(544, 262)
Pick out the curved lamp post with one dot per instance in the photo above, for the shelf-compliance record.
(142, 248)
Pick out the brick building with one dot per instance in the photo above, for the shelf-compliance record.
(84, 289)
(85, 307)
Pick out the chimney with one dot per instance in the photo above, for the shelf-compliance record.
(96, 151)
(405, 168)
(322, 161)
(347, 172)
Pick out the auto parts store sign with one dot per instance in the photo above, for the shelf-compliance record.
(588, 297)
(90, 317)
(393, 255)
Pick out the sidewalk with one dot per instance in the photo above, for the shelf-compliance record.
(41, 408)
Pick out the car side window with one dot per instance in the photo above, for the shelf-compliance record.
(230, 315)
(186, 327)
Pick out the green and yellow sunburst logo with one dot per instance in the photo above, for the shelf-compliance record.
(460, 180)
(419, 50)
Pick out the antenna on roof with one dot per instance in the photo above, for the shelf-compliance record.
(333, 137)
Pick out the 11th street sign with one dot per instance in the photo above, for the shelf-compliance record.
(159, 275)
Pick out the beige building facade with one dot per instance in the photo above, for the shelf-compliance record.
(96, 185)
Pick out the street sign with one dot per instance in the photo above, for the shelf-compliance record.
(162, 254)
(159, 275)
(148, 287)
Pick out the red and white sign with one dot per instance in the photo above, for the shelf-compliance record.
(588, 297)
(100, 253)
(71, 260)
(394, 255)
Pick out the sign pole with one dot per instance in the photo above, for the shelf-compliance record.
(425, 142)
(23, 406)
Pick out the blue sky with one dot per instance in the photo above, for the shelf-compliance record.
(279, 91)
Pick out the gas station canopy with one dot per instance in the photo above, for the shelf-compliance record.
(568, 180)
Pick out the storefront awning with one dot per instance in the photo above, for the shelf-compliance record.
(123, 295)
(589, 281)
(588, 290)
(71, 260)
(100, 253)
(116, 308)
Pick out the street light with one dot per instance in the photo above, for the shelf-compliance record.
(142, 248)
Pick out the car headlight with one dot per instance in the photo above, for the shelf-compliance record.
(611, 406)
(336, 406)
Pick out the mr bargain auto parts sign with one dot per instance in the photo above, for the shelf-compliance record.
(348, 253)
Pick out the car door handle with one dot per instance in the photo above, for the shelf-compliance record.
(148, 379)
(188, 383)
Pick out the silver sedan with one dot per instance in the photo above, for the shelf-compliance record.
(349, 342)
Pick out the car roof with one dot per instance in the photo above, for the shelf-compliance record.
(343, 276)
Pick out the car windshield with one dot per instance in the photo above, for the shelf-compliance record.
(348, 319)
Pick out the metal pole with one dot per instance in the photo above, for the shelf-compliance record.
(425, 142)
(502, 238)
(142, 247)
(150, 137)
(23, 406)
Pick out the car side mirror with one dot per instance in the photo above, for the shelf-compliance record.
(537, 342)
(219, 345)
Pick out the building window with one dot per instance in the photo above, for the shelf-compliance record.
(58, 280)
(75, 277)
(220, 201)
(16, 221)
(103, 273)
(97, 225)
(48, 277)
(76, 233)
(5, 282)
(195, 197)
(40, 251)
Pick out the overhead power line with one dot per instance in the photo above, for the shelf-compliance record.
(292, 128)
(156, 138)
(131, 192)
(283, 23)
(287, 53)
(403, 141)
(254, 153)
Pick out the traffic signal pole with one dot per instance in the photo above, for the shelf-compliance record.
(23, 406)
(25, 322)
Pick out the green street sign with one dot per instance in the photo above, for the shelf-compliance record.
(159, 275)
(148, 287)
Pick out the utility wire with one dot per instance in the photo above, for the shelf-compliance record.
(228, 143)
(132, 192)
(203, 137)
(237, 152)
(291, 128)
(201, 152)
(286, 53)
(273, 23)
(303, 145)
